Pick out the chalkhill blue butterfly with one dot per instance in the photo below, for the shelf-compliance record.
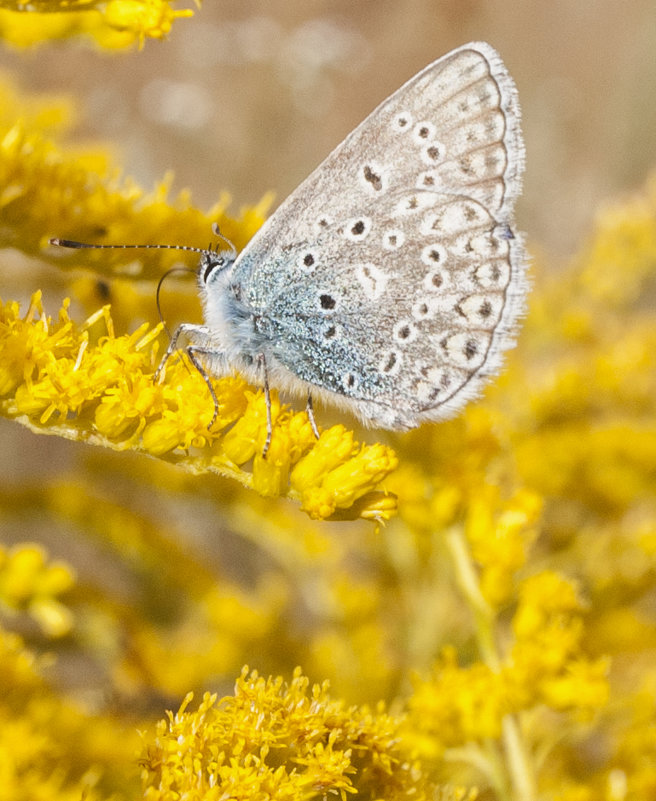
(390, 282)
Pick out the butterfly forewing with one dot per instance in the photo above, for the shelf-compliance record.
(392, 275)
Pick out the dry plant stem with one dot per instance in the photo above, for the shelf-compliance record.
(520, 782)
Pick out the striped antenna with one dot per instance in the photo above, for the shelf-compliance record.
(72, 243)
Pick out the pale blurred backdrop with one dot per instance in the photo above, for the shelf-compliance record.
(250, 96)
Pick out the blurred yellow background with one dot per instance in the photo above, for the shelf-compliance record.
(546, 485)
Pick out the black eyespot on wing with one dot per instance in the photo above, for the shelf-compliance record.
(471, 349)
(373, 178)
(390, 362)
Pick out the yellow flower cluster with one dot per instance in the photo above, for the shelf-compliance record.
(54, 380)
(34, 724)
(500, 535)
(110, 23)
(65, 379)
(28, 582)
(46, 191)
(273, 740)
(545, 664)
(548, 662)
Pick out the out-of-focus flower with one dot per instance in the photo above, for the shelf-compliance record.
(111, 24)
(28, 582)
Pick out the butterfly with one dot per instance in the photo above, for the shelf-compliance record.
(391, 281)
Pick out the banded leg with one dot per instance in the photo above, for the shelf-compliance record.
(267, 401)
(190, 332)
(309, 410)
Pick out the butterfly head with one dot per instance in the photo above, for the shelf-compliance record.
(213, 263)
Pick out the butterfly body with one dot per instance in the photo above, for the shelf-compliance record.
(391, 280)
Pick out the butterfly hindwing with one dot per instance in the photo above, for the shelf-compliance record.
(392, 275)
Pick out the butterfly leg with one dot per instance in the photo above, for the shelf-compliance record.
(309, 410)
(173, 346)
(189, 332)
(267, 401)
(193, 354)
(186, 332)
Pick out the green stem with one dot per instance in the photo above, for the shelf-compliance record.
(467, 578)
(519, 766)
(517, 781)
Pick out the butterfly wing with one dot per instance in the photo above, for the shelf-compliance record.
(391, 278)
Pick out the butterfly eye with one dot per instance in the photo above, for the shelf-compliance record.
(208, 265)
(213, 263)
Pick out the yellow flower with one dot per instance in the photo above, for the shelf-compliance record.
(278, 740)
(113, 24)
(458, 704)
(547, 661)
(248, 435)
(56, 378)
(143, 17)
(28, 582)
(335, 473)
(46, 191)
(293, 438)
(44, 738)
(499, 538)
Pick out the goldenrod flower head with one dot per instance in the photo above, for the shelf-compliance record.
(47, 191)
(459, 705)
(548, 662)
(144, 18)
(545, 665)
(81, 384)
(44, 738)
(499, 536)
(277, 740)
(337, 472)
